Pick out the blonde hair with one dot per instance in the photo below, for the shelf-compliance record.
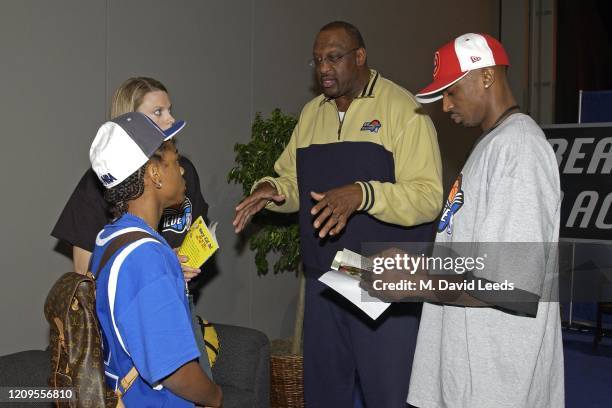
(128, 97)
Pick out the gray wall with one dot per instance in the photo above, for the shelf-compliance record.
(222, 61)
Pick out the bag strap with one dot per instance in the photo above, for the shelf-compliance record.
(126, 382)
(118, 243)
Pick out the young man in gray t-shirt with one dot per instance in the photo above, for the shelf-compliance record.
(484, 349)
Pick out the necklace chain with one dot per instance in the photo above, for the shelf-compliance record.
(498, 122)
(501, 118)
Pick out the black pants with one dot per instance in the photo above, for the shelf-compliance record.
(341, 344)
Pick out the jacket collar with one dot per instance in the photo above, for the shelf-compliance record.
(368, 90)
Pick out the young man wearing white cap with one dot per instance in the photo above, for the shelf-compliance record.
(485, 356)
(473, 349)
(140, 292)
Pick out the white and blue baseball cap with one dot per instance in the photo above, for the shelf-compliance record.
(124, 144)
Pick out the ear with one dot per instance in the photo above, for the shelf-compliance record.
(360, 56)
(153, 172)
(488, 77)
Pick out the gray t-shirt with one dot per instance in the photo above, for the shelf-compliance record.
(481, 357)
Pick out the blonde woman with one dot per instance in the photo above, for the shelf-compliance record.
(86, 211)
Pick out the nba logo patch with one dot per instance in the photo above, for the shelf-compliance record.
(372, 126)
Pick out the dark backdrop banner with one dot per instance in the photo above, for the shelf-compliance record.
(584, 155)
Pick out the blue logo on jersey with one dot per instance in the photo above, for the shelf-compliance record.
(372, 126)
(177, 220)
(107, 178)
(453, 204)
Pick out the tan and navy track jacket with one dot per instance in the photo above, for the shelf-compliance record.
(386, 145)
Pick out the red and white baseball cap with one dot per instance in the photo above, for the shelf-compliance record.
(454, 60)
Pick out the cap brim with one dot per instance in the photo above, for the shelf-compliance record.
(174, 129)
(433, 91)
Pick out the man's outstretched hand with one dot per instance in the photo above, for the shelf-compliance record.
(334, 208)
(254, 203)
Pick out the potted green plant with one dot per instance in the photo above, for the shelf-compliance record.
(275, 233)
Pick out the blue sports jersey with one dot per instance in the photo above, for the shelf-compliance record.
(150, 313)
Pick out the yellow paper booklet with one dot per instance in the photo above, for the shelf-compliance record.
(199, 243)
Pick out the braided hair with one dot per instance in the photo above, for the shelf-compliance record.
(133, 186)
(129, 189)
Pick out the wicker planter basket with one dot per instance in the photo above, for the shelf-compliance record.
(287, 376)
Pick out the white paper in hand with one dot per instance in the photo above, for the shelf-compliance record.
(349, 288)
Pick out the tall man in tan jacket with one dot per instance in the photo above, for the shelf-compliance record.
(362, 165)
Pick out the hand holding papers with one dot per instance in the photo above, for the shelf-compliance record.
(351, 263)
(344, 278)
(200, 243)
(383, 277)
(396, 277)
